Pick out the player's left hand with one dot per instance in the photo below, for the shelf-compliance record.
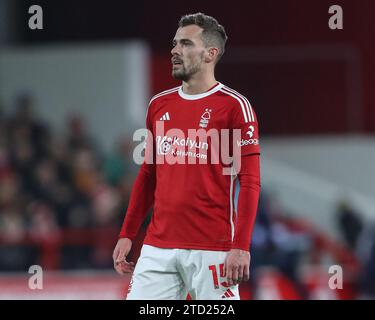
(237, 265)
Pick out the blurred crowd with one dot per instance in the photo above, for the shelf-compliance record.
(293, 248)
(51, 182)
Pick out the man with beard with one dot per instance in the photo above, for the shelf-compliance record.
(196, 242)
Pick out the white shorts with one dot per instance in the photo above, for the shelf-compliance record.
(170, 274)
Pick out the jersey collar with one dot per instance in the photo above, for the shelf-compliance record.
(200, 95)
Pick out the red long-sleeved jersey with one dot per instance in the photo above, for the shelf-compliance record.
(188, 182)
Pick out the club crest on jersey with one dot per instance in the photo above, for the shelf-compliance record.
(205, 118)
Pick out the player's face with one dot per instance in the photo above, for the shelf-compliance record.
(187, 53)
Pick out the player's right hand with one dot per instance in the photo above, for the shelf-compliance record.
(120, 253)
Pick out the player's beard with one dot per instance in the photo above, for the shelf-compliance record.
(186, 72)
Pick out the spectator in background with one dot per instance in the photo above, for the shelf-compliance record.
(366, 254)
(262, 244)
(350, 224)
(26, 128)
(119, 164)
(78, 138)
(275, 244)
(85, 171)
(12, 224)
(120, 171)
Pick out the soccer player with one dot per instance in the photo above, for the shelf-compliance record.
(196, 242)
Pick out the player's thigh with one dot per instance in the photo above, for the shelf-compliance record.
(150, 285)
(155, 276)
(208, 281)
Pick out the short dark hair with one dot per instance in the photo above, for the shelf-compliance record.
(213, 33)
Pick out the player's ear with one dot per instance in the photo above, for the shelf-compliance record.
(211, 54)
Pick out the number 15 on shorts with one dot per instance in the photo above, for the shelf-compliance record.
(213, 268)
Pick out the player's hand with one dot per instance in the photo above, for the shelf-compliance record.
(120, 253)
(237, 265)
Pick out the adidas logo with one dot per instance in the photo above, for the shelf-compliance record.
(165, 116)
(227, 294)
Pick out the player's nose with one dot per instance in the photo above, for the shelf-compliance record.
(175, 51)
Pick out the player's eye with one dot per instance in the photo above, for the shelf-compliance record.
(186, 43)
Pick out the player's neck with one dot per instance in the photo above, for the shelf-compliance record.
(197, 86)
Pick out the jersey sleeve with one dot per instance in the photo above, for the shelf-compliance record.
(142, 195)
(249, 179)
(245, 121)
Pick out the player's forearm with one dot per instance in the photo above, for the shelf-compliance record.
(141, 201)
(249, 179)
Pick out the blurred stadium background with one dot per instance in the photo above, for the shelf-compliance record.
(72, 94)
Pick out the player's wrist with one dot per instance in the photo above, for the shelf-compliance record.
(121, 237)
(241, 247)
